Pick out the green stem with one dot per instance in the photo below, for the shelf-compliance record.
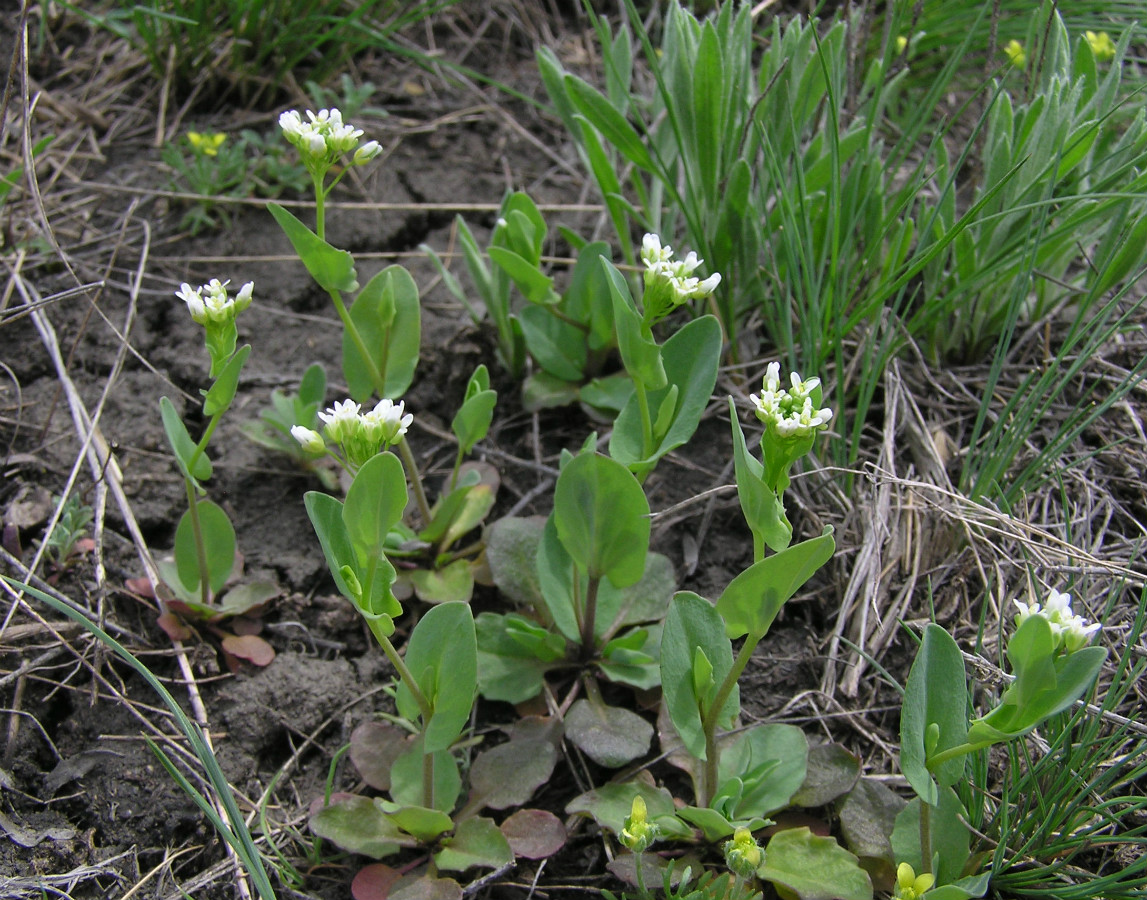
(415, 481)
(934, 762)
(588, 638)
(925, 838)
(646, 422)
(427, 778)
(407, 677)
(640, 877)
(200, 547)
(320, 208)
(359, 344)
(709, 721)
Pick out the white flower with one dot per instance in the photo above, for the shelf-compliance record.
(210, 302)
(310, 440)
(1071, 631)
(367, 152)
(789, 412)
(653, 254)
(341, 421)
(669, 282)
(194, 301)
(324, 137)
(386, 422)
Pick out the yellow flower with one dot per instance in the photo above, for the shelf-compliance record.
(1101, 45)
(637, 831)
(909, 885)
(1015, 53)
(207, 144)
(901, 43)
(743, 855)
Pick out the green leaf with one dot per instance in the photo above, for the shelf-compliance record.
(358, 825)
(507, 775)
(694, 626)
(689, 362)
(763, 510)
(610, 805)
(472, 421)
(476, 842)
(771, 761)
(814, 868)
(424, 824)
(557, 346)
(218, 547)
(832, 772)
(611, 736)
(602, 518)
(182, 445)
(453, 583)
(222, 392)
(374, 504)
(936, 694)
(753, 599)
(443, 656)
(510, 669)
(331, 268)
(534, 284)
(613, 126)
(326, 515)
(867, 817)
(406, 777)
(639, 352)
(313, 387)
(388, 317)
(950, 838)
(632, 658)
(512, 553)
(461, 512)
(544, 390)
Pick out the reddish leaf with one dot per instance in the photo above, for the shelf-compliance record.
(242, 625)
(141, 587)
(249, 647)
(534, 833)
(374, 746)
(336, 796)
(174, 627)
(373, 882)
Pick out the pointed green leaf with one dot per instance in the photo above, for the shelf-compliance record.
(182, 445)
(374, 504)
(936, 694)
(753, 599)
(222, 392)
(331, 268)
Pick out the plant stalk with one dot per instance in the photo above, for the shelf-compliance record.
(646, 422)
(709, 721)
(415, 481)
(200, 547)
(588, 619)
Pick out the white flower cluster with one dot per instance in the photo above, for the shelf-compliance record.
(1070, 631)
(790, 411)
(325, 137)
(660, 266)
(210, 302)
(360, 434)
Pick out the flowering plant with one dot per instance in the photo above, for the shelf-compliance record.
(205, 546)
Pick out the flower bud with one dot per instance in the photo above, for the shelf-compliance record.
(638, 833)
(743, 855)
(311, 441)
